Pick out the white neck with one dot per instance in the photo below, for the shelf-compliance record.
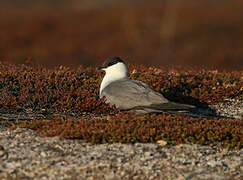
(113, 73)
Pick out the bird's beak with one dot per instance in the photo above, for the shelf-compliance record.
(100, 68)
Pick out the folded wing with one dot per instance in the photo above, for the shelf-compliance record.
(131, 94)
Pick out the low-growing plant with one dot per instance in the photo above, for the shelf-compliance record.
(66, 90)
(77, 90)
(150, 128)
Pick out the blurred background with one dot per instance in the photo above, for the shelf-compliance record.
(206, 33)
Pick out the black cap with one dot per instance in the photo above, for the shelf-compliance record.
(110, 62)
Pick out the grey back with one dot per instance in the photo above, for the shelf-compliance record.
(128, 94)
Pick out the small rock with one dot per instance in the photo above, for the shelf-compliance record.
(43, 154)
(214, 163)
(148, 154)
(1, 153)
(161, 142)
(179, 146)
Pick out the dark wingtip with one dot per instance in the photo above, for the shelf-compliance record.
(172, 106)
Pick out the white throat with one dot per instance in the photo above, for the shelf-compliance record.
(113, 73)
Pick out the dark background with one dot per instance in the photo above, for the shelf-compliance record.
(206, 33)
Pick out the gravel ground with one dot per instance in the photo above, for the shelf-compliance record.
(229, 108)
(25, 155)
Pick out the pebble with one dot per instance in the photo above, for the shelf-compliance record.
(57, 158)
(214, 163)
(232, 108)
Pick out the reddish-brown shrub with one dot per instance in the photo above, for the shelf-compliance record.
(68, 91)
(76, 90)
(130, 128)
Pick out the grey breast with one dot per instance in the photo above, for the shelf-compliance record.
(129, 94)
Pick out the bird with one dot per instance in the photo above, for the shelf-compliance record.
(132, 95)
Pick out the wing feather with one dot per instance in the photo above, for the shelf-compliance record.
(129, 94)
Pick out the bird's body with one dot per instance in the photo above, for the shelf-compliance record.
(128, 94)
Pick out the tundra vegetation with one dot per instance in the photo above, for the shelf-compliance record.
(75, 91)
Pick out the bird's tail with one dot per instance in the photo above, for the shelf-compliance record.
(173, 106)
(169, 106)
(164, 107)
